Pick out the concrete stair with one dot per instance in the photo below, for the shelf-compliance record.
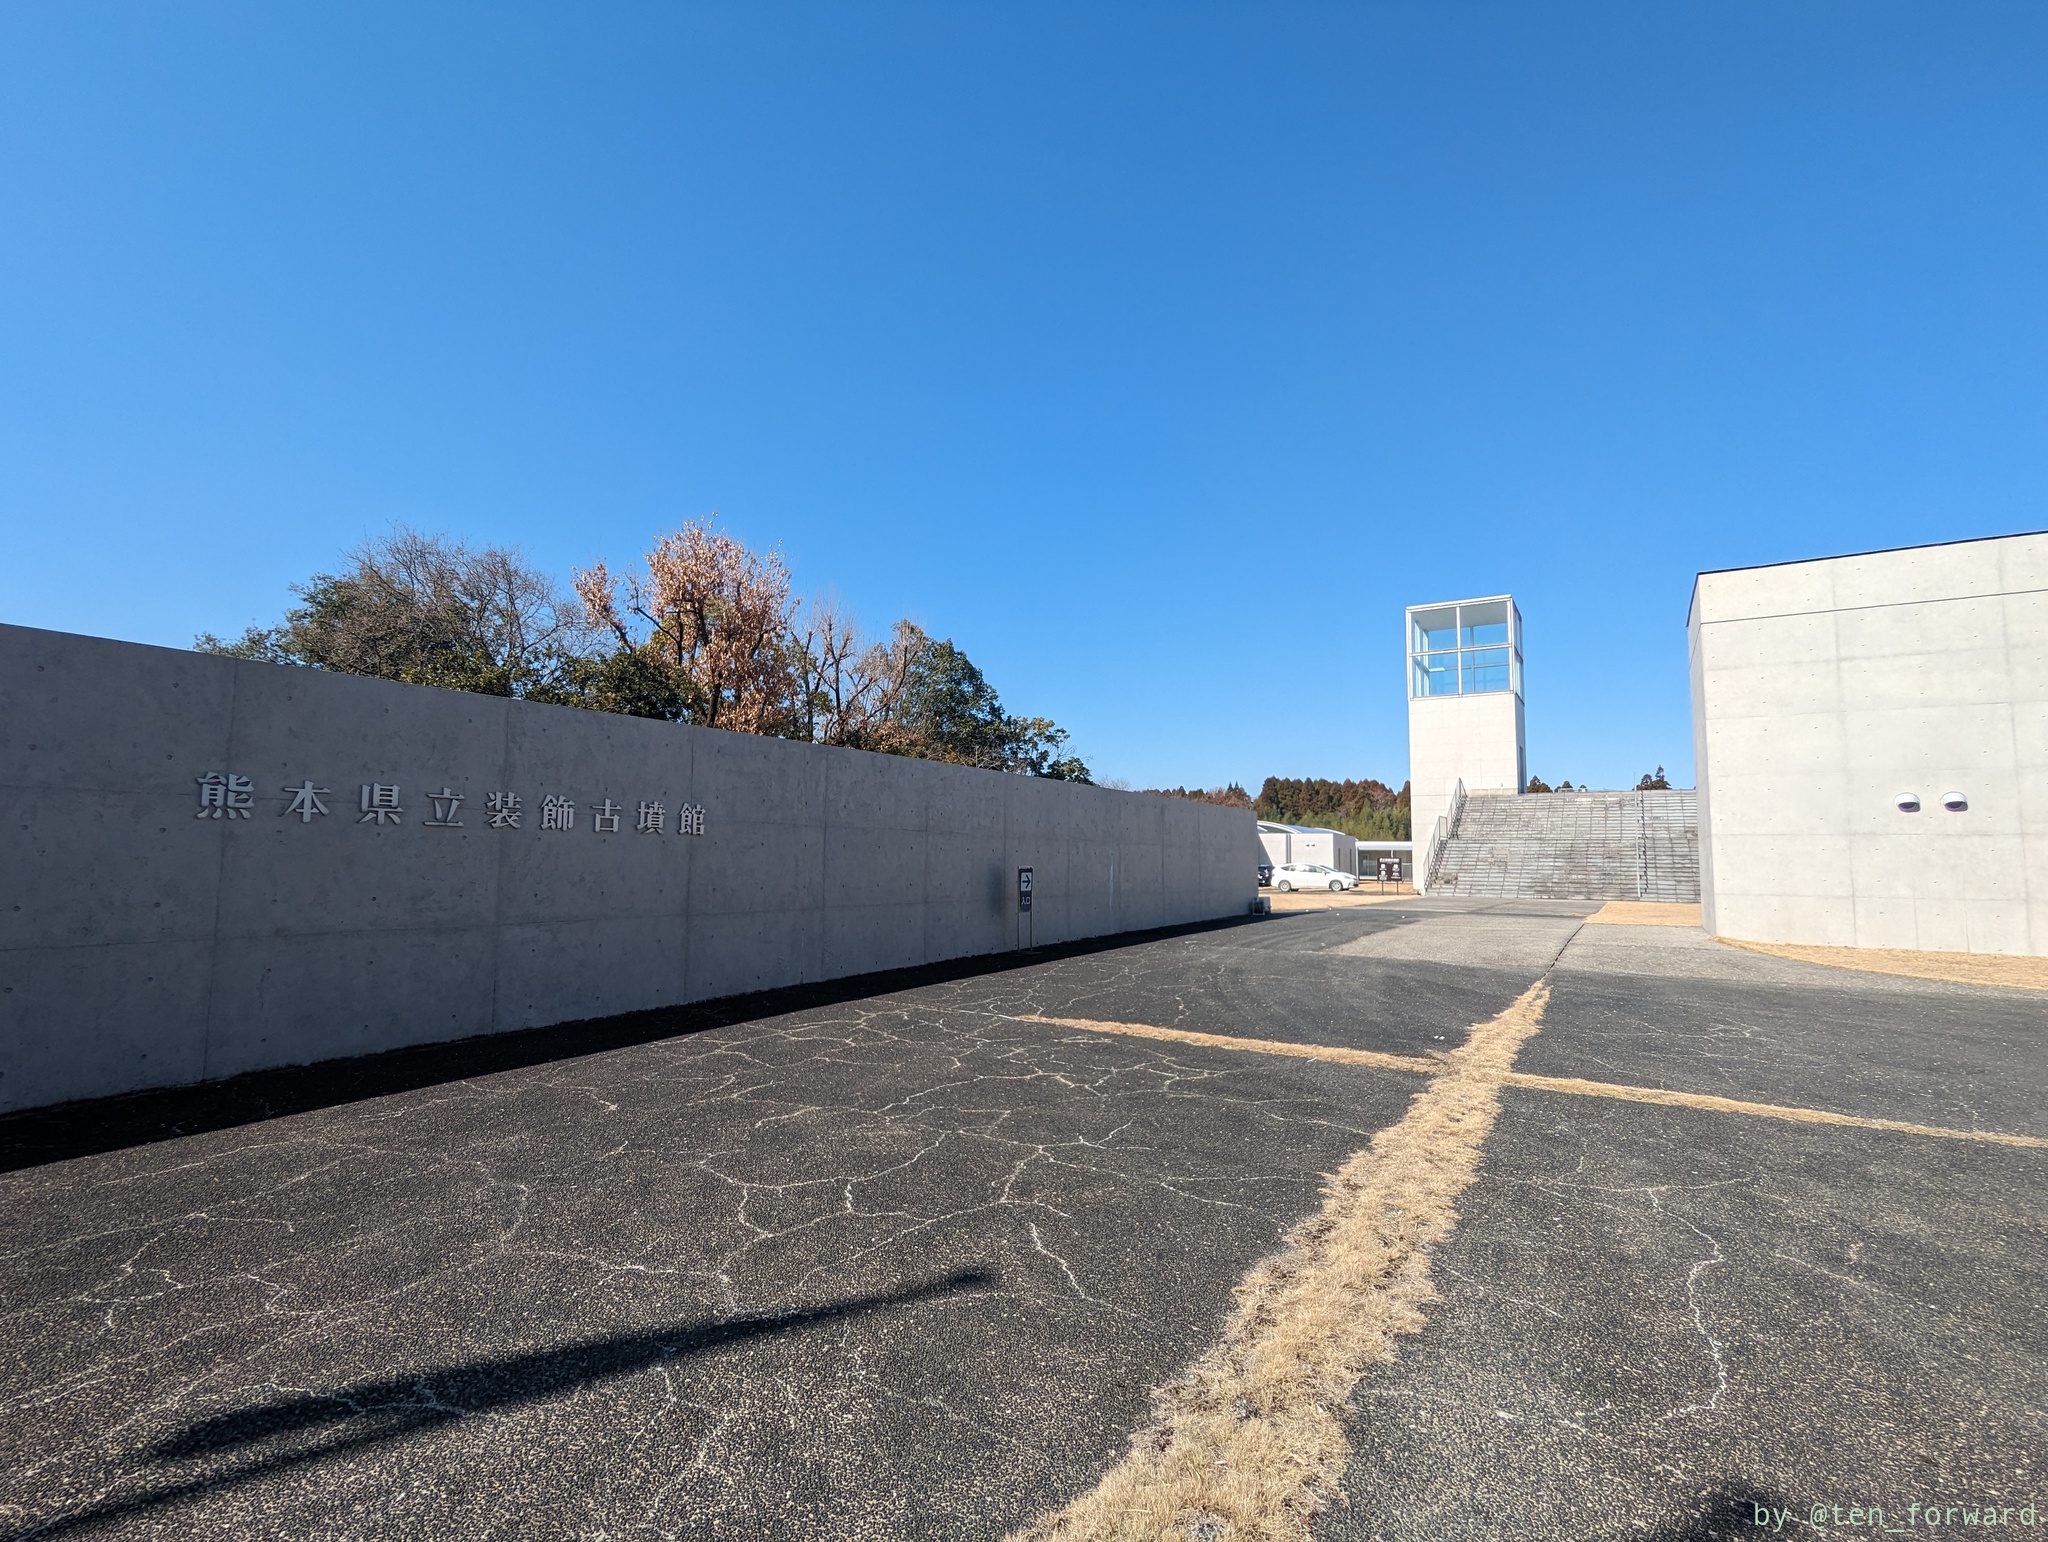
(1573, 845)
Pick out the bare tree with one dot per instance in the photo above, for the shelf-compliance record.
(828, 646)
(855, 687)
(889, 673)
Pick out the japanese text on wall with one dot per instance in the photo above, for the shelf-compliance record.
(229, 795)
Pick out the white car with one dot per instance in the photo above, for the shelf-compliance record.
(1311, 875)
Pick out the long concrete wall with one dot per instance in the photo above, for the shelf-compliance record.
(1824, 692)
(159, 928)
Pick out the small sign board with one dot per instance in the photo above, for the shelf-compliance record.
(1023, 890)
(1390, 869)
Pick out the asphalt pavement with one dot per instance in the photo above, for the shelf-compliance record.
(894, 1263)
(1681, 1324)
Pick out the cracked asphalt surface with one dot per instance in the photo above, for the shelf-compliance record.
(1657, 1320)
(897, 1265)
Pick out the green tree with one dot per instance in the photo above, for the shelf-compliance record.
(949, 711)
(429, 611)
(626, 680)
(1368, 809)
(1232, 796)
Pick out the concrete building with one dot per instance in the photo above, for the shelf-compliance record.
(1871, 734)
(211, 865)
(1465, 723)
(1370, 852)
(1308, 843)
(1332, 848)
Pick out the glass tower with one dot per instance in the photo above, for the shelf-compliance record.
(1465, 722)
(1472, 648)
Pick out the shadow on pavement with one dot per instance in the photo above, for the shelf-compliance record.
(61, 1132)
(1732, 1510)
(360, 1415)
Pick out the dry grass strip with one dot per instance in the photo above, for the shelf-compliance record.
(1429, 1066)
(1573, 1085)
(1586, 1089)
(1249, 1444)
(2011, 970)
(1323, 899)
(1644, 913)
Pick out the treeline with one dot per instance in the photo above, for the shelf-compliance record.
(1369, 810)
(1232, 796)
(709, 633)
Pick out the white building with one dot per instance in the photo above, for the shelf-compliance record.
(1307, 843)
(1872, 743)
(1333, 848)
(1464, 709)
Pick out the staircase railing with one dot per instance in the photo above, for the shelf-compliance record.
(1433, 857)
(1441, 837)
(1642, 846)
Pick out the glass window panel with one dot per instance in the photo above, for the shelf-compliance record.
(1434, 629)
(1486, 669)
(1436, 674)
(1483, 625)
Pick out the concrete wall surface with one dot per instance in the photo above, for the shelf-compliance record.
(1332, 848)
(147, 939)
(1477, 739)
(1824, 691)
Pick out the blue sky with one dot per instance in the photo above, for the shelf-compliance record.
(1158, 354)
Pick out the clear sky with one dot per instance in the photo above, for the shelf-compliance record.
(1158, 354)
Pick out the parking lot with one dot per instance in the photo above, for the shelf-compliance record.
(1747, 1236)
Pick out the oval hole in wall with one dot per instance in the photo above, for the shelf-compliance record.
(1908, 802)
(1954, 802)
